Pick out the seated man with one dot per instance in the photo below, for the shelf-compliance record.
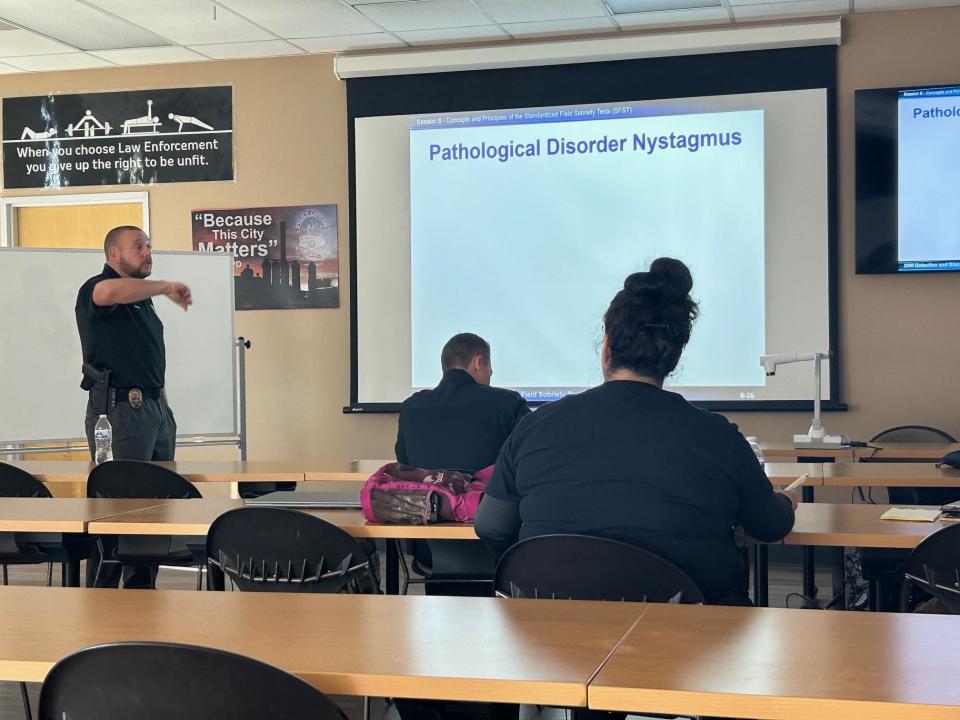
(459, 425)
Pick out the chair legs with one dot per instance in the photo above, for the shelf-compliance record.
(5, 578)
(49, 574)
(404, 570)
(26, 701)
(100, 559)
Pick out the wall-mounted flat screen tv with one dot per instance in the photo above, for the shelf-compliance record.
(908, 179)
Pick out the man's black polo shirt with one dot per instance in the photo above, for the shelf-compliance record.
(458, 425)
(127, 339)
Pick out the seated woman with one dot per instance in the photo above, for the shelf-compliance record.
(630, 461)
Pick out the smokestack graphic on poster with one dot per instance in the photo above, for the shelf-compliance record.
(284, 257)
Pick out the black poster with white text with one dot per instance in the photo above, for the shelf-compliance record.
(137, 137)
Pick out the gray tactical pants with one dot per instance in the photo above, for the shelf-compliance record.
(145, 433)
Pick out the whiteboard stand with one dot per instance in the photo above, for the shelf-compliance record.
(242, 346)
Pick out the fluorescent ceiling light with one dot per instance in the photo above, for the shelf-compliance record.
(565, 52)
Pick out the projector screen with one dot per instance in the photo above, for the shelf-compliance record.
(520, 224)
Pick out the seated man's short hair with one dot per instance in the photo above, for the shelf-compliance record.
(461, 349)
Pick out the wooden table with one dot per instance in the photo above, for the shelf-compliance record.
(837, 526)
(784, 664)
(782, 452)
(68, 517)
(453, 648)
(348, 470)
(62, 515)
(916, 452)
(76, 471)
(840, 525)
(194, 517)
(919, 474)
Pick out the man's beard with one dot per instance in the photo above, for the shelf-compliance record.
(136, 271)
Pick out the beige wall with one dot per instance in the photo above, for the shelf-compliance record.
(290, 123)
(899, 360)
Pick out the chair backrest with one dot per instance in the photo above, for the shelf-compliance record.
(270, 549)
(581, 567)
(136, 479)
(934, 565)
(916, 495)
(16, 482)
(913, 433)
(158, 681)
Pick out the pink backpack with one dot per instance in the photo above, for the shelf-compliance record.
(398, 493)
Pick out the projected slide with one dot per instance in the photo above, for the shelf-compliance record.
(523, 224)
(929, 175)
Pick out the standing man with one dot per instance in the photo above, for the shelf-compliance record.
(123, 353)
(459, 425)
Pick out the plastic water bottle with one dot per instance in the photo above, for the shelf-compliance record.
(755, 446)
(103, 440)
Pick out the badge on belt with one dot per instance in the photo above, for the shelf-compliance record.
(135, 398)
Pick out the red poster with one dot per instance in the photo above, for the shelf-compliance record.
(286, 257)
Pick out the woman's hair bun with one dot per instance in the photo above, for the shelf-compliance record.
(667, 278)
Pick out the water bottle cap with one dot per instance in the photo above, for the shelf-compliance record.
(102, 415)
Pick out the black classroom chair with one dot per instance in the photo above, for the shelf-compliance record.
(158, 681)
(883, 568)
(582, 567)
(268, 549)
(916, 495)
(143, 480)
(934, 567)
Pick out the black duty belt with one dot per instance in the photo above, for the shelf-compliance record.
(136, 394)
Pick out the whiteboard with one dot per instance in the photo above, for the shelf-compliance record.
(41, 361)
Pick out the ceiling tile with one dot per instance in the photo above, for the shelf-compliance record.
(549, 28)
(7, 26)
(23, 42)
(340, 43)
(8, 69)
(77, 24)
(511, 11)
(797, 8)
(425, 14)
(672, 17)
(622, 7)
(149, 56)
(453, 35)
(304, 18)
(188, 22)
(228, 51)
(67, 61)
(871, 5)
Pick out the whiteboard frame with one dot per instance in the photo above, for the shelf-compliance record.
(8, 232)
(238, 434)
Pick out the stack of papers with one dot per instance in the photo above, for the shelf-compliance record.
(913, 514)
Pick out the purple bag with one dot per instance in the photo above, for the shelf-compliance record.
(397, 493)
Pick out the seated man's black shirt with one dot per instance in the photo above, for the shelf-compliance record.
(459, 425)
(126, 338)
(629, 461)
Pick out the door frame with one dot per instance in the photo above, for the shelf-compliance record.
(9, 205)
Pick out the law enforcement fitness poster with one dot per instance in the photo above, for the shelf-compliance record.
(286, 257)
(118, 138)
